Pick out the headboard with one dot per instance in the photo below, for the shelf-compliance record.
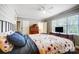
(70, 37)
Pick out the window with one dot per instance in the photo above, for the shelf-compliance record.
(0, 26)
(6, 26)
(73, 24)
(10, 26)
(62, 23)
(53, 25)
(59, 23)
(70, 24)
(73, 29)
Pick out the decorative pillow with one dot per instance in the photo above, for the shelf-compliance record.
(17, 39)
(5, 46)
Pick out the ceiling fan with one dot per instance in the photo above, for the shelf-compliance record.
(45, 7)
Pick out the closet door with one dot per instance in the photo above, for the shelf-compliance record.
(18, 26)
(40, 24)
(45, 27)
(42, 27)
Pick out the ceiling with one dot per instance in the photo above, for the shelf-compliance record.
(40, 11)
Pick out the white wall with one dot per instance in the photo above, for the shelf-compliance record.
(42, 27)
(25, 27)
(70, 12)
(26, 24)
(7, 13)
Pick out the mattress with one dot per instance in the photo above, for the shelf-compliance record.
(50, 44)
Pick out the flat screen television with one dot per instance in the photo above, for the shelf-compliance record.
(58, 29)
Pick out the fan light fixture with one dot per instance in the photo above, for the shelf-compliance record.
(44, 9)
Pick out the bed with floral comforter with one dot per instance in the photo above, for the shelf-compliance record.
(50, 44)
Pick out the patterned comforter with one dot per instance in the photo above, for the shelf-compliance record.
(50, 44)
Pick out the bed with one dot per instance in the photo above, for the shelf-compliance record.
(40, 44)
(50, 44)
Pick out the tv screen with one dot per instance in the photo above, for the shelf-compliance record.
(58, 29)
